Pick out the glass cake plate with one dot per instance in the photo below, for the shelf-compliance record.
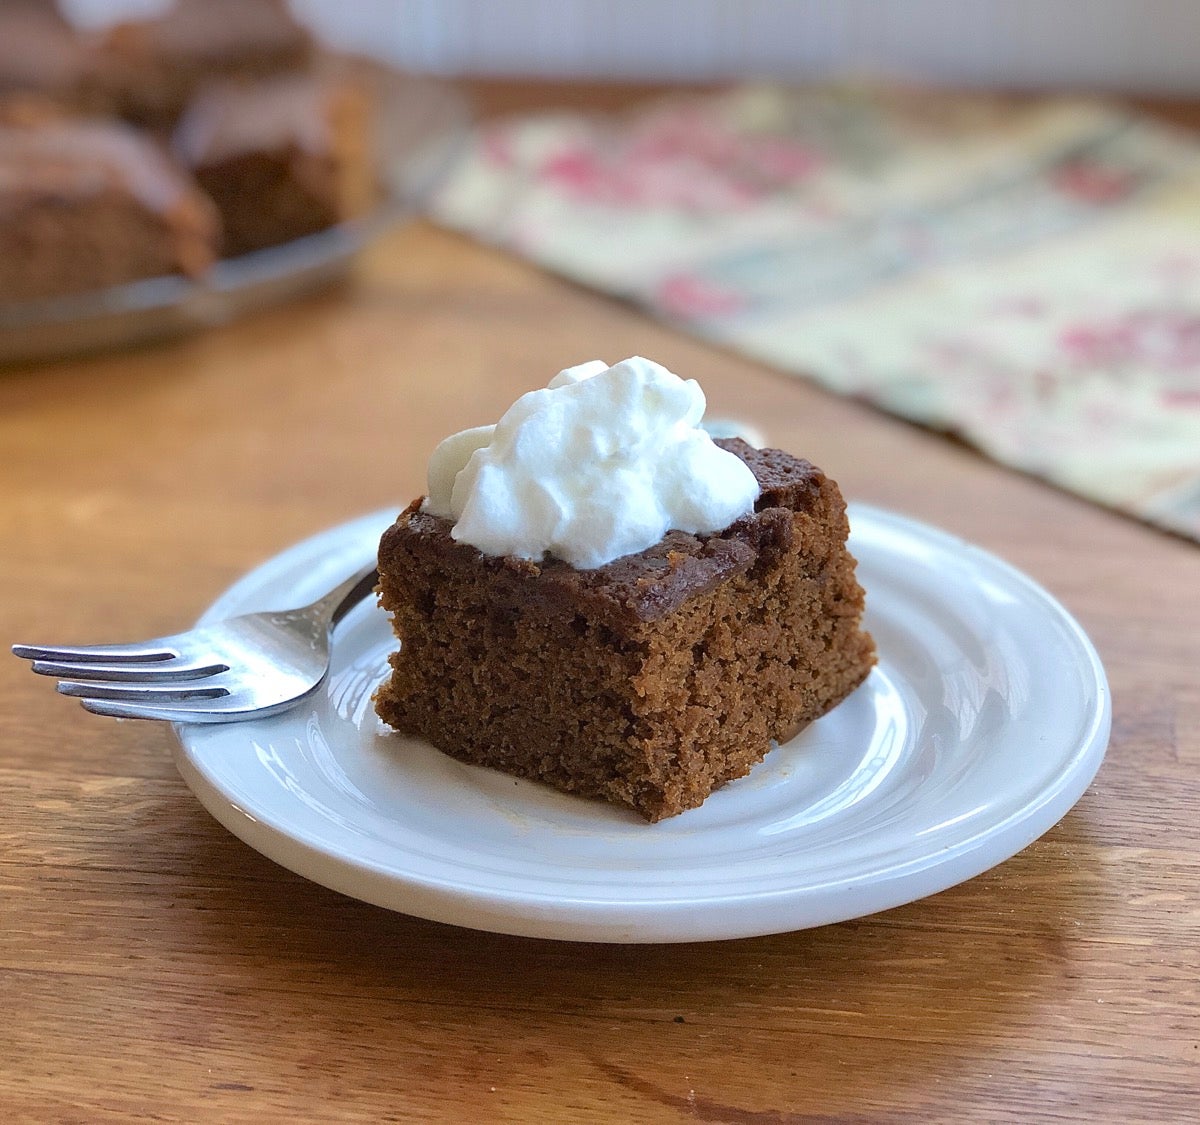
(984, 722)
(419, 126)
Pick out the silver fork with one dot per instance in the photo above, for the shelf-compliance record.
(243, 668)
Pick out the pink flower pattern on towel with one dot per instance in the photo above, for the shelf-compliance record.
(681, 158)
(1026, 275)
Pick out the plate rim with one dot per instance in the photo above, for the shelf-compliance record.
(549, 915)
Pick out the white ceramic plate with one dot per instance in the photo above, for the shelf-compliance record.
(986, 719)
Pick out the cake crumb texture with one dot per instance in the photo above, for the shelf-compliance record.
(648, 682)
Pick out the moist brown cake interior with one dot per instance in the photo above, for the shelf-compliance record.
(649, 681)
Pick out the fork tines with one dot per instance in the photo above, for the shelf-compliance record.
(145, 680)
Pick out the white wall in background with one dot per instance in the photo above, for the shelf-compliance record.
(91, 13)
(1107, 44)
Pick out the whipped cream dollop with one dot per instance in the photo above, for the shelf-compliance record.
(601, 463)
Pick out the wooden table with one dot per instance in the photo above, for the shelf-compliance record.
(152, 966)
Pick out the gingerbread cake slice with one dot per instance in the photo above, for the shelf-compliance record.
(42, 54)
(155, 66)
(648, 681)
(281, 158)
(86, 204)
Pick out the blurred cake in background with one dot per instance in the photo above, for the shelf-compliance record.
(157, 65)
(154, 147)
(281, 158)
(86, 204)
(42, 54)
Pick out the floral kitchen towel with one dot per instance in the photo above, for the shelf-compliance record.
(1023, 274)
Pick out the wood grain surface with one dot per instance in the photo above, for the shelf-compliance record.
(152, 967)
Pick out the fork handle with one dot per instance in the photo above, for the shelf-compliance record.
(342, 599)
